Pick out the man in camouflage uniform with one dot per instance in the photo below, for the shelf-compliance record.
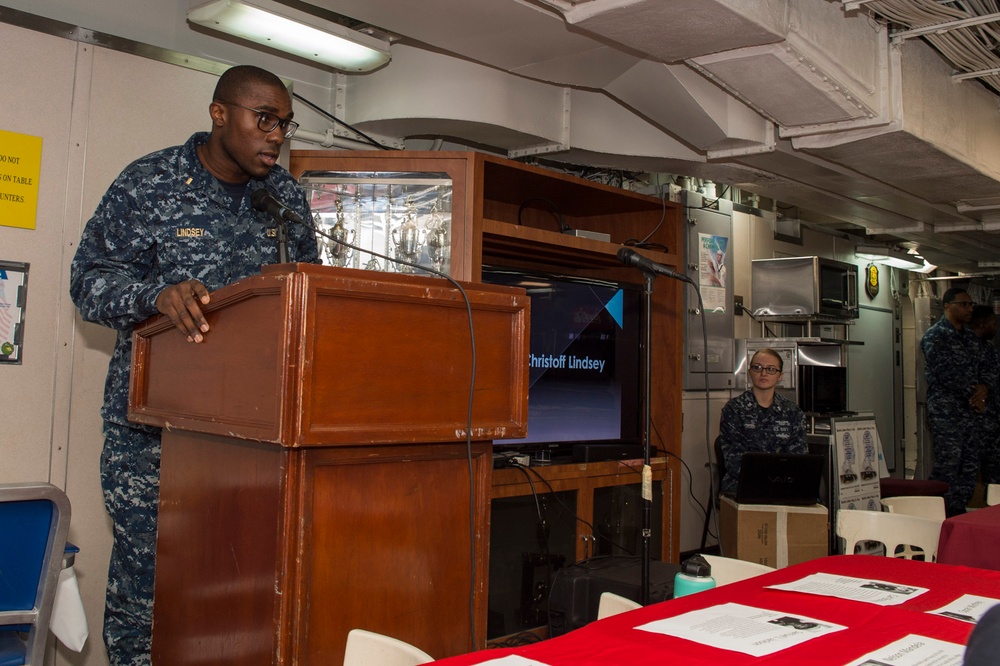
(984, 325)
(760, 419)
(173, 226)
(956, 397)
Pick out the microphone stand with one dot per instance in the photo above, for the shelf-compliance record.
(647, 471)
(282, 234)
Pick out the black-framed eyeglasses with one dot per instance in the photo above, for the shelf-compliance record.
(267, 122)
(964, 304)
(769, 369)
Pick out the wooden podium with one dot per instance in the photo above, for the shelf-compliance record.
(315, 474)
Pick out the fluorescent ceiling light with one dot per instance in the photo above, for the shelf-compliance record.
(290, 30)
(890, 257)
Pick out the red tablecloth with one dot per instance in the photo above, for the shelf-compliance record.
(869, 627)
(972, 539)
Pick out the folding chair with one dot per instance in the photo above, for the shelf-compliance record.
(612, 604)
(992, 494)
(367, 648)
(726, 570)
(925, 506)
(907, 537)
(34, 523)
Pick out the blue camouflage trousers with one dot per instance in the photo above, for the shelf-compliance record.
(130, 475)
(956, 458)
(989, 447)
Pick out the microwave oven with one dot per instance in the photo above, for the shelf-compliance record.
(804, 286)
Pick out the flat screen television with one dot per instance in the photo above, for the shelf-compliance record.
(585, 364)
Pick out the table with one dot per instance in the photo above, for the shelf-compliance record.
(614, 640)
(972, 539)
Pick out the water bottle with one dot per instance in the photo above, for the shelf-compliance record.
(695, 575)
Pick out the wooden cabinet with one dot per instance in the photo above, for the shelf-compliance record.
(510, 214)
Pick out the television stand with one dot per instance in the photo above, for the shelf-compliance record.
(588, 509)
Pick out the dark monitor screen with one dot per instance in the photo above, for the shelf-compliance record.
(823, 389)
(584, 363)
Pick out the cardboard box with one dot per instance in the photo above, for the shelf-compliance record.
(774, 535)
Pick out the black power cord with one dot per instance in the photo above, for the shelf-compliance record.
(338, 121)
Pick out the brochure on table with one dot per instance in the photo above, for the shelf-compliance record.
(914, 650)
(879, 592)
(754, 631)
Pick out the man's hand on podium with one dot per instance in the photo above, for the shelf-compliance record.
(180, 302)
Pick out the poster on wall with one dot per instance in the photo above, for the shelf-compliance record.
(13, 293)
(20, 168)
(859, 464)
(712, 271)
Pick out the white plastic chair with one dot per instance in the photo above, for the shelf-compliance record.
(367, 648)
(916, 505)
(992, 494)
(894, 530)
(726, 570)
(612, 604)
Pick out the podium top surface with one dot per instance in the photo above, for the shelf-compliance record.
(311, 355)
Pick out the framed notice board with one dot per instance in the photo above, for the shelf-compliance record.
(13, 294)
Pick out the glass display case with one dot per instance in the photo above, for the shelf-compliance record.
(395, 222)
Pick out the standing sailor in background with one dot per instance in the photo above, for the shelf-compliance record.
(956, 397)
(174, 226)
(984, 324)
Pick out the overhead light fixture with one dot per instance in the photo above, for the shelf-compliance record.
(890, 257)
(293, 31)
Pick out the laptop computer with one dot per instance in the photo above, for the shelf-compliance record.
(779, 478)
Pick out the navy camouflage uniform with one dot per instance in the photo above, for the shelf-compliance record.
(164, 220)
(951, 366)
(747, 427)
(988, 427)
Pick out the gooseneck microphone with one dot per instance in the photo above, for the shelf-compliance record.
(630, 257)
(264, 201)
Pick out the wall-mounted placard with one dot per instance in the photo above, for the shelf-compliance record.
(20, 167)
(13, 295)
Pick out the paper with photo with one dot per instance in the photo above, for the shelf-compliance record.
(753, 631)
(967, 608)
(880, 592)
(914, 650)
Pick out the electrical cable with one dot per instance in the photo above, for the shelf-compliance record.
(756, 321)
(516, 640)
(643, 243)
(690, 473)
(563, 227)
(712, 204)
(708, 423)
(593, 530)
(338, 121)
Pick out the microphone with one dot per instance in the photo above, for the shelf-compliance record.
(630, 257)
(264, 201)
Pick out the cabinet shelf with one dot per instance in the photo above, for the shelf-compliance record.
(505, 240)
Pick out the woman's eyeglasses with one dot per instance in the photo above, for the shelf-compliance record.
(768, 369)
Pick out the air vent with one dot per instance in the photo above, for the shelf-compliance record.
(784, 84)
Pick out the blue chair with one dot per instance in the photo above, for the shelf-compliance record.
(34, 523)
